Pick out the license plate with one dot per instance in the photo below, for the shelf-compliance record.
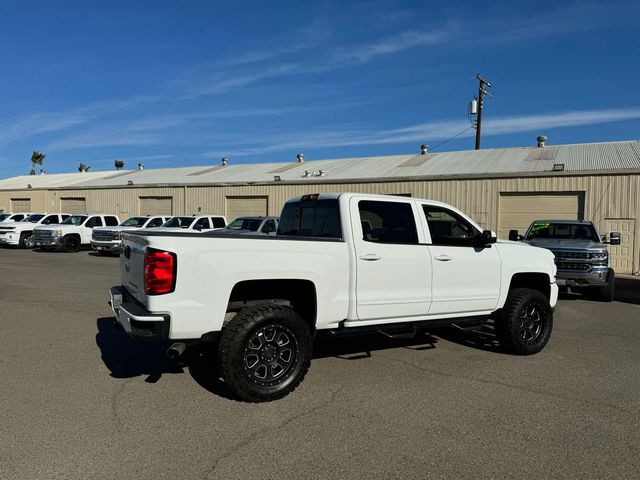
(561, 282)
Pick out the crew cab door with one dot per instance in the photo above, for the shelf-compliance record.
(466, 277)
(393, 268)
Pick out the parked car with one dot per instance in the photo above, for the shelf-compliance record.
(14, 217)
(251, 226)
(581, 254)
(108, 239)
(193, 223)
(339, 264)
(73, 233)
(20, 234)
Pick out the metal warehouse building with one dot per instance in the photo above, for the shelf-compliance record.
(502, 189)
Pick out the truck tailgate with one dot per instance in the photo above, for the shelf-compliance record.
(132, 265)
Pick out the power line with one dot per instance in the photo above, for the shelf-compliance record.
(452, 138)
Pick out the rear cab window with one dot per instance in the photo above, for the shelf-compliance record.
(387, 222)
(311, 216)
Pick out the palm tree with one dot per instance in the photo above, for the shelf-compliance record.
(83, 168)
(119, 164)
(37, 158)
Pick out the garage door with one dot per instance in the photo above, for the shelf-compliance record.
(245, 206)
(75, 206)
(621, 255)
(156, 206)
(517, 211)
(20, 205)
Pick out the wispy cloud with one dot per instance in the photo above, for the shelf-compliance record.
(369, 51)
(437, 130)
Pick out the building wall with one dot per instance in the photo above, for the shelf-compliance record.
(605, 196)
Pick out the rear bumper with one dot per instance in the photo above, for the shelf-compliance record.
(111, 247)
(596, 277)
(137, 321)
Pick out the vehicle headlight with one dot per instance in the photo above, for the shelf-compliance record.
(599, 255)
(119, 235)
(57, 233)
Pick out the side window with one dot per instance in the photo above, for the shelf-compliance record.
(64, 217)
(17, 218)
(93, 222)
(111, 221)
(387, 222)
(201, 224)
(448, 228)
(269, 227)
(218, 222)
(156, 222)
(50, 219)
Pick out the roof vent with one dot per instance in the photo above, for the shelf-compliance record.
(424, 149)
(141, 166)
(225, 161)
(42, 172)
(308, 174)
(300, 157)
(542, 139)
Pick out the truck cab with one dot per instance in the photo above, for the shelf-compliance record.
(20, 233)
(73, 233)
(13, 217)
(580, 252)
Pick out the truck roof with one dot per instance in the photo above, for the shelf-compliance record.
(570, 222)
(335, 195)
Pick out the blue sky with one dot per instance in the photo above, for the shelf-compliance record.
(185, 83)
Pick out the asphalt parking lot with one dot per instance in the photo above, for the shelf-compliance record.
(80, 400)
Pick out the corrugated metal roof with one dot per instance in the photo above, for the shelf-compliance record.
(499, 161)
(52, 180)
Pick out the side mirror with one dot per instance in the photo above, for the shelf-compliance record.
(487, 237)
(614, 238)
(514, 235)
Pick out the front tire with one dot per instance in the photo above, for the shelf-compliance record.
(264, 353)
(525, 322)
(608, 291)
(71, 244)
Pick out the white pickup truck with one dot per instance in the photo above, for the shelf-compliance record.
(73, 233)
(106, 240)
(194, 223)
(339, 263)
(13, 217)
(20, 234)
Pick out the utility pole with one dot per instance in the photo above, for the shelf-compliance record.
(482, 83)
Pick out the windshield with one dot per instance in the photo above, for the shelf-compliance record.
(33, 218)
(180, 222)
(252, 224)
(3, 216)
(75, 220)
(134, 222)
(566, 231)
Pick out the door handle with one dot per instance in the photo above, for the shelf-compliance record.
(370, 257)
(443, 258)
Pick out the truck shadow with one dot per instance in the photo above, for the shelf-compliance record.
(126, 359)
(627, 291)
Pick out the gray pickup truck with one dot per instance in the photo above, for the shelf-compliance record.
(581, 254)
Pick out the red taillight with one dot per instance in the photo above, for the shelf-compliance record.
(159, 272)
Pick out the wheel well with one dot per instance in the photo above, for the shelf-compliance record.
(77, 235)
(536, 281)
(299, 294)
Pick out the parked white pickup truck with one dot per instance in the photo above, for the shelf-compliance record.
(20, 234)
(339, 263)
(107, 239)
(13, 217)
(71, 234)
(193, 223)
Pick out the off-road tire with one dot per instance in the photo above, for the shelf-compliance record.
(237, 352)
(516, 325)
(21, 242)
(71, 244)
(26, 240)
